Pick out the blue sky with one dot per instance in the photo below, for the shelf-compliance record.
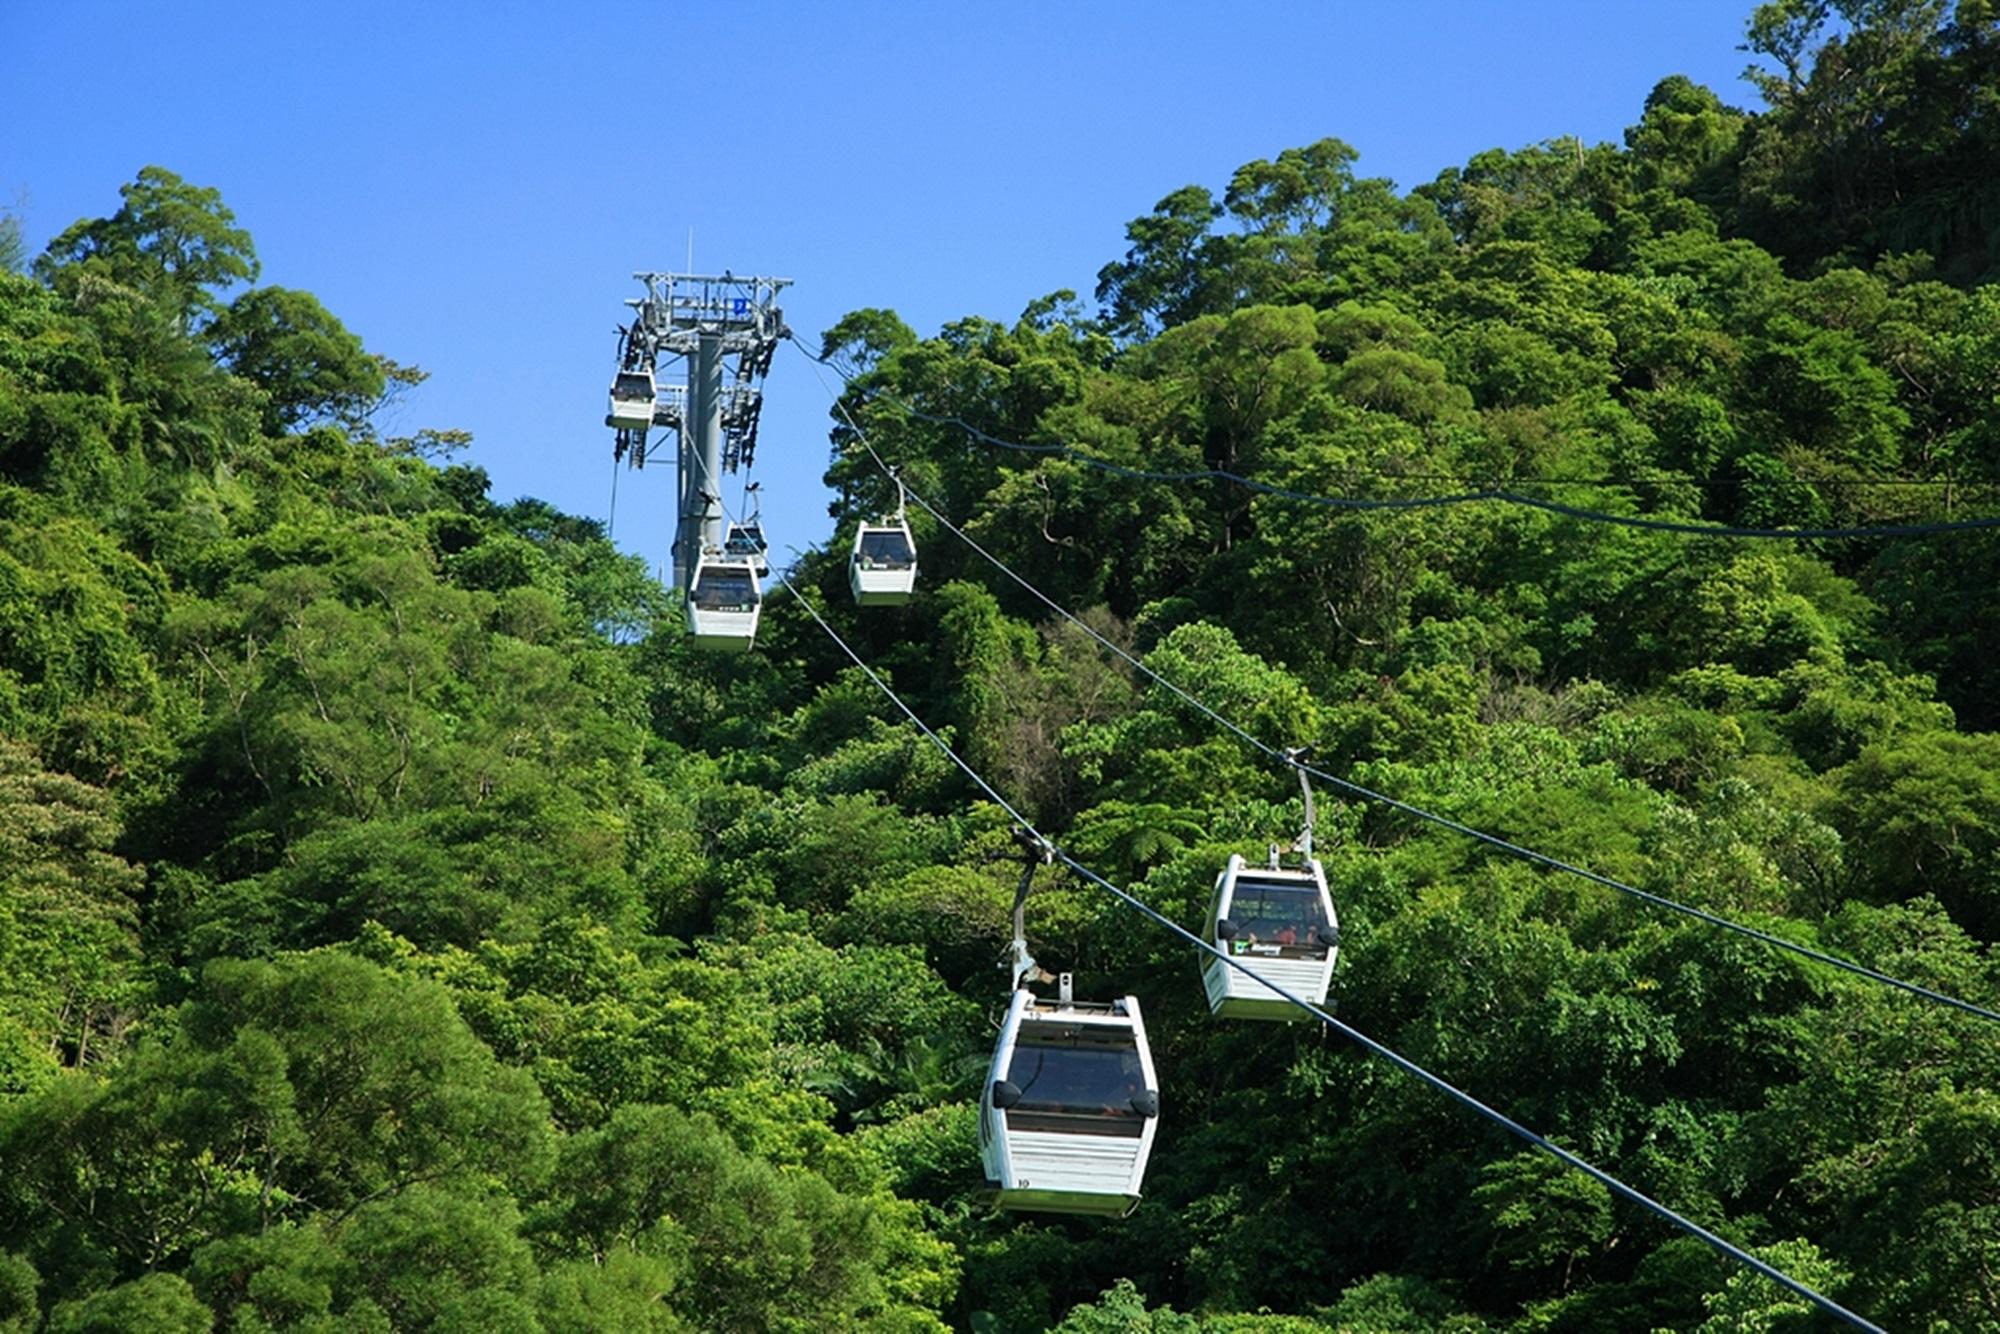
(470, 187)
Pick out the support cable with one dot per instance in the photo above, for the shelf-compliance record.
(611, 520)
(1494, 841)
(1603, 1178)
(1490, 493)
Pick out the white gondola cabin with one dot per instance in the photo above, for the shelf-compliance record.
(747, 540)
(1278, 923)
(632, 395)
(722, 603)
(882, 568)
(1070, 1108)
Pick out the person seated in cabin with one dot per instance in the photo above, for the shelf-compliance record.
(1131, 1084)
(1287, 935)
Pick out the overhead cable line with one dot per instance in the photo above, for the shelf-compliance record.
(1401, 1062)
(1483, 494)
(1527, 479)
(1292, 761)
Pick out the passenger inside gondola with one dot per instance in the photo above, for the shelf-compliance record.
(888, 550)
(1286, 916)
(725, 589)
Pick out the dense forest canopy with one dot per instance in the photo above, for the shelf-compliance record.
(402, 927)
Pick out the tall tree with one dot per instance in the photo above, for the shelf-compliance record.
(1164, 276)
(175, 241)
(304, 359)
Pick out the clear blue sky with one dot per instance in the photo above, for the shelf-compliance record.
(470, 186)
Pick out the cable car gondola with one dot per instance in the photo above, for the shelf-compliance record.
(632, 396)
(882, 567)
(723, 600)
(1071, 1106)
(747, 541)
(746, 538)
(1279, 924)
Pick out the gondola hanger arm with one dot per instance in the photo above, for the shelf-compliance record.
(1035, 851)
(1295, 756)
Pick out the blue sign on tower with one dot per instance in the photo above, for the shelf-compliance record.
(741, 306)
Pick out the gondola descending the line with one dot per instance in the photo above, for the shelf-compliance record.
(1071, 1106)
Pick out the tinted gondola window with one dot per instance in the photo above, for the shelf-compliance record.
(885, 551)
(725, 590)
(1076, 1082)
(1272, 913)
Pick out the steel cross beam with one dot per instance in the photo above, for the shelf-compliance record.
(679, 308)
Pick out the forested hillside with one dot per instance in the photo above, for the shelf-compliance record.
(401, 927)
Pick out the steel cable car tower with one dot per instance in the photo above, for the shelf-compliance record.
(725, 328)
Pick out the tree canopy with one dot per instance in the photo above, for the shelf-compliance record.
(403, 927)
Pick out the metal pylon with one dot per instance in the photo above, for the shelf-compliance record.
(724, 329)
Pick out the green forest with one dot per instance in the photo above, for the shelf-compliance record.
(402, 927)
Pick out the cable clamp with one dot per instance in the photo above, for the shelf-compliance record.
(1037, 848)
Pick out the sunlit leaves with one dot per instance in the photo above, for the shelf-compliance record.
(176, 241)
